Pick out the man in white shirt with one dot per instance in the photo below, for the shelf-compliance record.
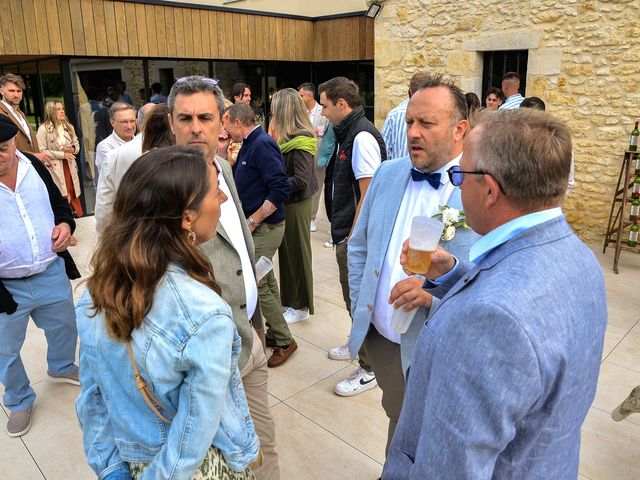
(511, 90)
(123, 121)
(402, 189)
(360, 149)
(314, 109)
(195, 113)
(118, 162)
(36, 224)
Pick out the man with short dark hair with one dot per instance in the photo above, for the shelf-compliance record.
(394, 130)
(37, 224)
(511, 90)
(156, 93)
(506, 369)
(11, 88)
(360, 149)
(264, 187)
(195, 111)
(123, 120)
(124, 96)
(307, 91)
(402, 189)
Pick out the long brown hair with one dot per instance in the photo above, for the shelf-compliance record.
(144, 234)
(51, 115)
(157, 131)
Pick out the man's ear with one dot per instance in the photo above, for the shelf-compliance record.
(171, 123)
(460, 129)
(492, 190)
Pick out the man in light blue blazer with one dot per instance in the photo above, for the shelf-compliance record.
(506, 367)
(401, 189)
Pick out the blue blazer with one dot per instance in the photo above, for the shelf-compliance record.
(368, 246)
(506, 368)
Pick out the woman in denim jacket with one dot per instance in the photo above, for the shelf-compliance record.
(154, 290)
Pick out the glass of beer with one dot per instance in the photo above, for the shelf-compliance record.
(424, 238)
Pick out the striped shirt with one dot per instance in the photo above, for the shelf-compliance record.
(394, 131)
(512, 102)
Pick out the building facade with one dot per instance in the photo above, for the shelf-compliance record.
(581, 57)
(77, 50)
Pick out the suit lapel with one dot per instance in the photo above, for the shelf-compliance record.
(10, 116)
(397, 186)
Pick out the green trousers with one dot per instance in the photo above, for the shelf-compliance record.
(266, 241)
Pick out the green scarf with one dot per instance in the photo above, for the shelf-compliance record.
(301, 142)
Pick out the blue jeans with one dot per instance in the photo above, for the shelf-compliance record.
(47, 298)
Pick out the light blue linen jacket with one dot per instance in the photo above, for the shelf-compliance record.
(368, 245)
(506, 368)
(187, 350)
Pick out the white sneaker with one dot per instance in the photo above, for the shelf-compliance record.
(328, 244)
(291, 315)
(313, 227)
(340, 353)
(358, 382)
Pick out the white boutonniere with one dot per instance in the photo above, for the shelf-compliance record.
(452, 219)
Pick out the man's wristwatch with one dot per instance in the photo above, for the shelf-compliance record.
(252, 221)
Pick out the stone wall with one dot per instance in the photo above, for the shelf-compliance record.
(584, 62)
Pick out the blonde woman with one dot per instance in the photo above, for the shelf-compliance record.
(57, 136)
(295, 135)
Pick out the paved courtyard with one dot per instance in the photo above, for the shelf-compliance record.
(321, 435)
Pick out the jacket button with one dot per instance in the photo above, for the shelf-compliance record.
(239, 272)
(466, 279)
(377, 272)
(243, 306)
(369, 307)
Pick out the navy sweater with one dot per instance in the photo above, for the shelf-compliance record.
(259, 175)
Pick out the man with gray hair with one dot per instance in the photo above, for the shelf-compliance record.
(506, 368)
(123, 121)
(263, 186)
(118, 162)
(195, 106)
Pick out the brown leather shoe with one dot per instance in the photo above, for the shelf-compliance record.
(281, 354)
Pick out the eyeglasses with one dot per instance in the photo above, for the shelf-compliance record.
(211, 81)
(456, 175)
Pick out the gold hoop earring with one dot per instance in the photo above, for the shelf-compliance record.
(191, 236)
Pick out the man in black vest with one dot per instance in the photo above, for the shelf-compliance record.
(360, 149)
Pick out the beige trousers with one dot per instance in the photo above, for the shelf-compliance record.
(254, 378)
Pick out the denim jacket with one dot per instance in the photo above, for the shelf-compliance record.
(187, 350)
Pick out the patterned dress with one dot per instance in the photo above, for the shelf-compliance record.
(214, 467)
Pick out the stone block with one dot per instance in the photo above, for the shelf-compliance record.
(544, 61)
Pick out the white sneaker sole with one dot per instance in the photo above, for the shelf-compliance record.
(363, 388)
(333, 356)
(51, 379)
(296, 320)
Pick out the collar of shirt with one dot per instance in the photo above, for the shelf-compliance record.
(444, 176)
(509, 230)
(117, 137)
(245, 137)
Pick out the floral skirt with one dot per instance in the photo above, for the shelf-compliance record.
(214, 467)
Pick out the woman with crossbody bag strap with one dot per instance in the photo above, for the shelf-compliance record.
(161, 394)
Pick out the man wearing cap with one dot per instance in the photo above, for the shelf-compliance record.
(35, 232)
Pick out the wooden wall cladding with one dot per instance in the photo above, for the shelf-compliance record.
(127, 29)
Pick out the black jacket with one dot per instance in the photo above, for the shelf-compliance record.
(61, 213)
(342, 191)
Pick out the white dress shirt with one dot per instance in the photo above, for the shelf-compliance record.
(23, 123)
(26, 224)
(231, 223)
(420, 199)
(112, 142)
